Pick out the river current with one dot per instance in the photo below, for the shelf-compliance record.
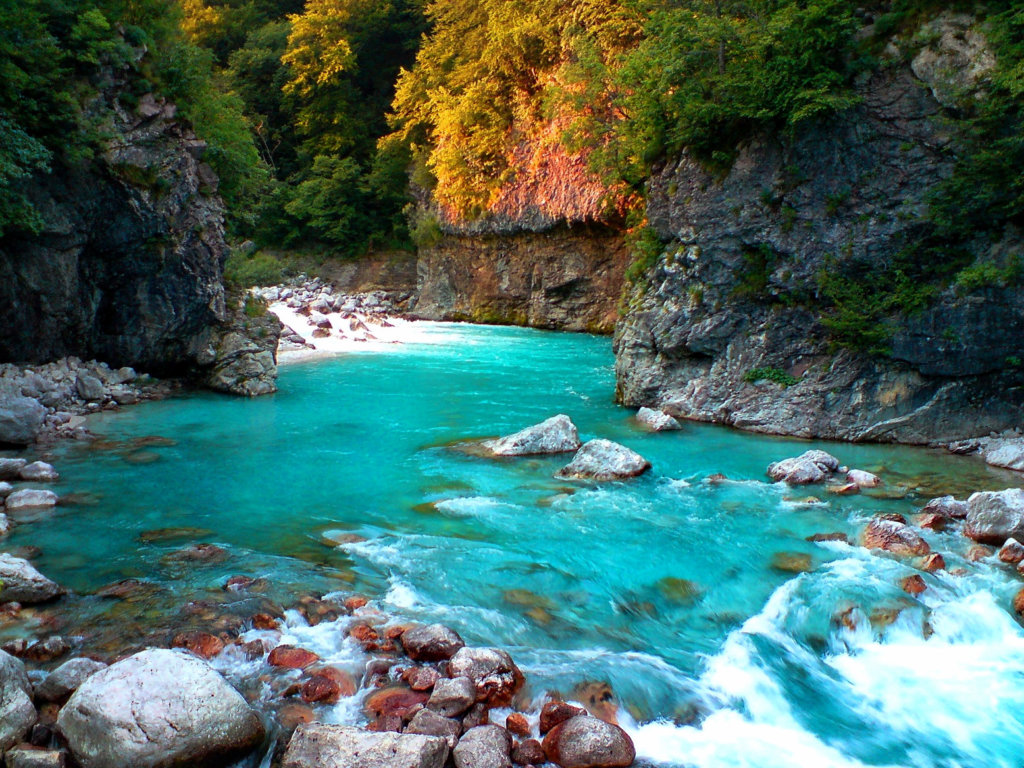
(727, 637)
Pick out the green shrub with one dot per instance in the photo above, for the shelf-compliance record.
(244, 270)
(774, 375)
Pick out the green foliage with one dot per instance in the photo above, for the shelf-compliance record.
(244, 270)
(424, 228)
(986, 274)
(646, 247)
(774, 375)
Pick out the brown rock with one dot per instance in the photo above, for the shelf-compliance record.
(847, 489)
(434, 642)
(328, 684)
(934, 562)
(477, 715)
(979, 552)
(586, 742)
(517, 724)
(529, 752)
(290, 657)
(421, 678)
(1012, 552)
(264, 621)
(913, 585)
(818, 537)
(932, 521)
(199, 553)
(355, 602)
(496, 676)
(599, 700)
(293, 714)
(555, 712)
(363, 634)
(394, 700)
(895, 537)
(1018, 603)
(202, 644)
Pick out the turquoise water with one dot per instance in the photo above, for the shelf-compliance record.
(665, 587)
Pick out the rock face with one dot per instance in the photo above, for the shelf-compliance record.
(555, 435)
(548, 276)
(157, 709)
(736, 290)
(995, 516)
(243, 355)
(586, 742)
(604, 460)
(21, 418)
(128, 265)
(315, 745)
(17, 714)
(21, 582)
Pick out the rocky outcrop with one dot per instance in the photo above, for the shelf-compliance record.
(157, 709)
(727, 324)
(241, 358)
(567, 278)
(127, 265)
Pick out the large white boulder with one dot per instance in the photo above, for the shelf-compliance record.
(21, 582)
(316, 745)
(604, 460)
(555, 435)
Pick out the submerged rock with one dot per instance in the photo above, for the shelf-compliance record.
(21, 419)
(316, 745)
(30, 498)
(586, 742)
(809, 467)
(995, 516)
(604, 460)
(495, 675)
(655, 420)
(555, 435)
(17, 715)
(893, 536)
(157, 709)
(21, 582)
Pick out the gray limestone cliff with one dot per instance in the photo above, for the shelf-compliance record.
(727, 324)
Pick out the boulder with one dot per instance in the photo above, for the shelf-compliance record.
(89, 388)
(586, 742)
(158, 709)
(495, 675)
(10, 469)
(895, 537)
(21, 582)
(21, 418)
(946, 506)
(316, 745)
(604, 460)
(863, 479)
(657, 421)
(290, 657)
(427, 722)
(1006, 453)
(36, 757)
(1012, 552)
(517, 724)
(486, 746)
(452, 697)
(17, 714)
(529, 752)
(809, 467)
(555, 712)
(67, 678)
(30, 498)
(995, 516)
(555, 435)
(39, 471)
(434, 642)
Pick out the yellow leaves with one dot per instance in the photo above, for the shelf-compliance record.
(318, 51)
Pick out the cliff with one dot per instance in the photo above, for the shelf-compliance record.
(560, 277)
(127, 266)
(730, 323)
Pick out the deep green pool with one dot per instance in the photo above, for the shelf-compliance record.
(666, 587)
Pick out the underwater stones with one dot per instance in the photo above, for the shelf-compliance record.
(291, 657)
(21, 419)
(995, 516)
(555, 712)
(427, 722)
(39, 471)
(495, 675)
(586, 742)
(809, 467)
(17, 714)
(316, 745)
(677, 590)
(30, 498)
(895, 537)
(792, 562)
(604, 460)
(486, 746)
(863, 479)
(453, 696)
(555, 435)
(198, 553)
(657, 421)
(433, 642)
(946, 506)
(21, 582)
(157, 709)
(67, 678)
